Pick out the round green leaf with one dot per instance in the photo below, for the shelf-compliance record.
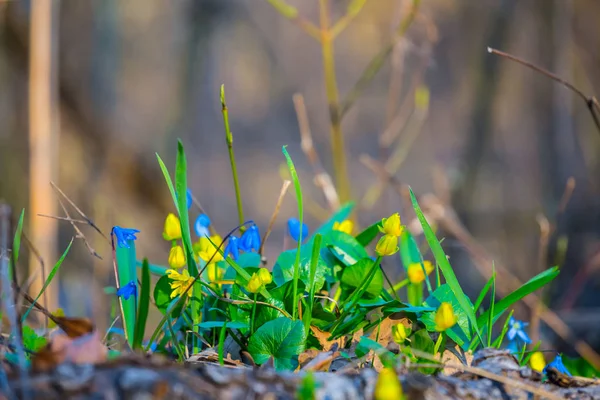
(354, 275)
(162, 296)
(282, 339)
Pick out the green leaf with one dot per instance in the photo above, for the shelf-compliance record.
(444, 264)
(355, 274)
(421, 340)
(294, 174)
(483, 292)
(221, 324)
(282, 339)
(345, 247)
(31, 340)
(283, 270)
(339, 216)
(368, 235)
(460, 332)
(181, 203)
(143, 307)
(265, 314)
(162, 296)
(529, 287)
(127, 272)
(366, 344)
(580, 367)
(17, 240)
(314, 260)
(49, 279)
(409, 250)
(154, 269)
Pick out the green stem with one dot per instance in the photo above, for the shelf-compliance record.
(253, 315)
(438, 343)
(338, 150)
(391, 285)
(400, 284)
(229, 140)
(355, 296)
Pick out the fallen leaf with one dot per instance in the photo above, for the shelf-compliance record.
(85, 349)
(321, 362)
(322, 337)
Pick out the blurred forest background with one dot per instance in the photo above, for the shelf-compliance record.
(497, 142)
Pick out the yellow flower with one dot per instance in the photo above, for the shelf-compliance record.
(255, 283)
(537, 361)
(214, 272)
(444, 317)
(388, 386)
(180, 282)
(387, 245)
(265, 276)
(206, 250)
(392, 225)
(345, 226)
(172, 230)
(415, 271)
(400, 333)
(176, 257)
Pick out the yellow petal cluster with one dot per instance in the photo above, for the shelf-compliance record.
(176, 257)
(258, 280)
(180, 282)
(387, 245)
(537, 361)
(172, 229)
(415, 271)
(400, 333)
(392, 226)
(444, 317)
(205, 250)
(345, 226)
(388, 386)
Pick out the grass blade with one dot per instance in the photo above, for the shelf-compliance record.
(17, 240)
(296, 181)
(444, 264)
(313, 270)
(143, 307)
(49, 279)
(483, 293)
(181, 192)
(490, 324)
(529, 287)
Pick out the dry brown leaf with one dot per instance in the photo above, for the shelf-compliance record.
(383, 332)
(322, 337)
(306, 356)
(321, 362)
(85, 349)
(74, 327)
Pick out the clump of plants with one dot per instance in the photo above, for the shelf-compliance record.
(328, 293)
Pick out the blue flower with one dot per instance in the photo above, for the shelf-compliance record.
(250, 240)
(189, 199)
(123, 235)
(128, 290)
(233, 248)
(516, 331)
(558, 365)
(294, 229)
(201, 225)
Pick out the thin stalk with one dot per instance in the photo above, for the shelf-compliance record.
(313, 270)
(400, 285)
(253, 315)
(355, 296)
(338, 149)
(229, 140)
(438, 343)
(391, 285)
